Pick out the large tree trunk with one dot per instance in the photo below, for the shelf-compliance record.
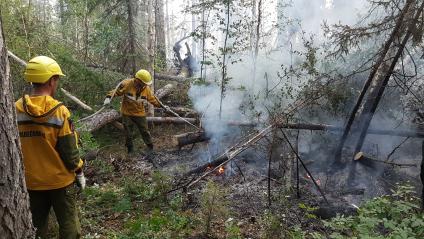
(160, 35)
(15, 216)
(131, 36)
(370, 106)
(374, 71)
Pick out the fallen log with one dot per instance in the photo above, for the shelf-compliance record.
(164, 91)
(369, 161)
(99, 120)
(227, 156)
(182, 111)
(182, 140)
(326, 127)
(171, 120)
(108, 116)
(76, 100)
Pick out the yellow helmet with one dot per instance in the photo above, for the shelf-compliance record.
(144, 76)
(41, 68)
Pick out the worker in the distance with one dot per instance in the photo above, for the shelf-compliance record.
(134, 91)
(50, 151)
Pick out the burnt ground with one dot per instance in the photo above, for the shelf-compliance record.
(245, 183)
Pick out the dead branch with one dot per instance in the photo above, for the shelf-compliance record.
(226, 157)
(76, 100)
(16, 59)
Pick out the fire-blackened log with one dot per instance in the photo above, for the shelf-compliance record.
(182, 140)
(369, 161)
(328, 211)
(203, 168)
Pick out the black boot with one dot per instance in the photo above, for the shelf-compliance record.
(130, 149)
(150, 154)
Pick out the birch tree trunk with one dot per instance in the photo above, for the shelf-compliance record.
(15, 216)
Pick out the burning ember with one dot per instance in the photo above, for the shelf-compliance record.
(316, 180)
(221, 170)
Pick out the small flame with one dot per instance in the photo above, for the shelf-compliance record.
(316, 180)
(221, 170)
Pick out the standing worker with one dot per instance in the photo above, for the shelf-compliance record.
(50, 151)
(134, 91)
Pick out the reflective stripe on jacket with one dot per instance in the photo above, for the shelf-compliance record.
(132, 104)
(48, 142)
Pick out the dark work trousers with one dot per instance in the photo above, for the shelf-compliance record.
(141, 123)
(63, 201)
(422, 175)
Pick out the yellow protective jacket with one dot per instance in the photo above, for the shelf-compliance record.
(132, 104)
(48, 142)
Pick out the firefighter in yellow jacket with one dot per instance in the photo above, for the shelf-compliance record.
(134, 91)
(50, 152)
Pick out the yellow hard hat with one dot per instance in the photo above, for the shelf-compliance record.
(41, 68)
(144, 76)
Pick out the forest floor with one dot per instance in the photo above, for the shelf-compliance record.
(126, 195)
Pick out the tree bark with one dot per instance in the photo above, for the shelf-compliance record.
(108, 116)
(182, 140)
(131, 36)
(15, 216)
(371, 104)
(164, 91)
(182, 111)
(385, 49)
(160, 35)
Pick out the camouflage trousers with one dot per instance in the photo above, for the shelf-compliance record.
(141, 123)
(63, 201)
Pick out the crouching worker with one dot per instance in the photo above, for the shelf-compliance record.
(134, 91)
(50, 151)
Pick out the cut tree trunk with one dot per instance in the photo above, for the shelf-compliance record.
(15, 216)
(182, 140)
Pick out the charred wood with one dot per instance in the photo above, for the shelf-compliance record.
(182, 140)
(369, 161)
